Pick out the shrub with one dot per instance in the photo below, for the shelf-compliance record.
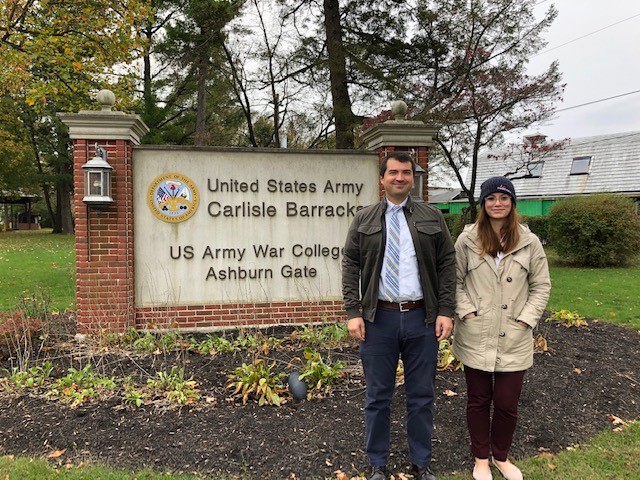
(35, 305)
(212, 345)
(133, 397)
(446, 359)
(596, 230)
(33, 377)
(78, 386)
(318, 372)
(18, 337)
(539, 224)
(174, 386)
(327, 335)
(568, 318)
(454, 223)
(257, 380)
(158, 343)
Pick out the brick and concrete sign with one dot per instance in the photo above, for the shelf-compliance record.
(204, 237)
(244, 226)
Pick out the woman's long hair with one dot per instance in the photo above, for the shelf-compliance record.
(509, 234)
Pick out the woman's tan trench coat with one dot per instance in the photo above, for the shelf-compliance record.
(517, 290)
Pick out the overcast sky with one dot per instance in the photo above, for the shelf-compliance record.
(603, 64)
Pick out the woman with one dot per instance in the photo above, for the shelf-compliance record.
(502, 289)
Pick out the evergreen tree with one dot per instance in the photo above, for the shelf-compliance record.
(189, 99)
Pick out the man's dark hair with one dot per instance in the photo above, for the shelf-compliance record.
(399, 156)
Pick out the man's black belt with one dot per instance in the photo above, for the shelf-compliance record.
(402, 306)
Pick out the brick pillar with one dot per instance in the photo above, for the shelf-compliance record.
(105, 288)
(404, 135)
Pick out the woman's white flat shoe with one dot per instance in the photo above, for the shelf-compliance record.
(481, 476)
(508, 470)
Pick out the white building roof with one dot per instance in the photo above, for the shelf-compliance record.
(614, 167)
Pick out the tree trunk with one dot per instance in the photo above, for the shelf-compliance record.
(46, 194)
(200, 137)
(344, 118)
(241, 95)
(149, 101)
(46, 190)
(63, 197)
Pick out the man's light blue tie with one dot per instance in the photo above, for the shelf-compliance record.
(391, 281)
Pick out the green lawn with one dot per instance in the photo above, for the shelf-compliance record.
(40, 469)
(605, 293)
(610, 456)
(37, 262)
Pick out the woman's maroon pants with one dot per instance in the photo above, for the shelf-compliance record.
(492, 435)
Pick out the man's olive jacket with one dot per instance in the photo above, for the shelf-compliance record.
(364, 252)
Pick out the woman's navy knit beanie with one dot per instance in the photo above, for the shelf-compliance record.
(497, 184)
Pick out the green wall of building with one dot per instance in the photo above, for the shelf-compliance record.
(525, 207)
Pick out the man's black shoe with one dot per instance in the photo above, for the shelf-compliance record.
(378, 473)
(423, 473)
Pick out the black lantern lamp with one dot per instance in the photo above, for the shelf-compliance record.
(97, 180)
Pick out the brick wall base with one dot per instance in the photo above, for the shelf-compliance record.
(192, 317)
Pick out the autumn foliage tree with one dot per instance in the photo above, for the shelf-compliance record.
(522, 160)
(55, 54)
(493, 102)
(315, 73)
(473, 81)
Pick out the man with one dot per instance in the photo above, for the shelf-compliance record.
(398, 282)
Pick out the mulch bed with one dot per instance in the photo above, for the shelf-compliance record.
(588, 376)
